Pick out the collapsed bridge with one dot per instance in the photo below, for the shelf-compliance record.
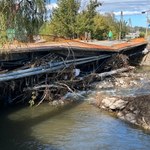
(58, 68)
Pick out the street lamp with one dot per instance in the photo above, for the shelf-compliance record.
(147, 21)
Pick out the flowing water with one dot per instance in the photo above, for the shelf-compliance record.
(76, 126)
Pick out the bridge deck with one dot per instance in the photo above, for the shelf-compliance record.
(110, 46)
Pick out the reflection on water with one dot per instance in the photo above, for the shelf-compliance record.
(81, 127)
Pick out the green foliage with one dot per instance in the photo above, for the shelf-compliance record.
(68, 22)
(90, 14)
(2, 29)
(26, 17)
(124, 29)
(113, 24)
(45, 29)
(101, 28)
(142, 34)
(82, 24)
(85, 19)
(141, 29)
(103, 24)
(64, 18)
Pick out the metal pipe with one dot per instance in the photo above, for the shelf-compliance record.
(35, 71)
(52, 65)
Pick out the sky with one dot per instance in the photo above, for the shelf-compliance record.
(132, 9)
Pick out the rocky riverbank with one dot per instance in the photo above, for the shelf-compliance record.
(135, 110)
(128, 97)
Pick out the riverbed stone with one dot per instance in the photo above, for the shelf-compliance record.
(131, 108)
(55, 103)
(118, 104)
(108, 101)
(120, 115)
(146, 60)
(114, 103)
(130, 117)
(61, 102)
(136, 112)
(121, 83)
(104, 85)
(133, 83)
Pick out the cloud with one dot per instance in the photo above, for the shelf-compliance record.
(129, 7)
(51, 6)
(127, 13)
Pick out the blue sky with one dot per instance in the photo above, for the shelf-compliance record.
(131, 9)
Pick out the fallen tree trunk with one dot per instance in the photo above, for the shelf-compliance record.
(113, 72)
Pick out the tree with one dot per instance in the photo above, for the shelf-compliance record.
(91, 13)
(82, 24)
(85, 19)
(124, 29)
(113, 23)
(64, 18)
(25, 16)
(69, 20)
(101, 27)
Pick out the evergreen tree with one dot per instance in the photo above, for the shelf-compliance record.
(86, 18)
(101, 27)
(91, 13)
(64, 18)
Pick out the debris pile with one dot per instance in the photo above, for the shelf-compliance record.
(52, 76)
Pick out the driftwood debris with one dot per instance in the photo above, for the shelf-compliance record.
(72, 88)
(100, 76)
(52, 77)
(113, 72)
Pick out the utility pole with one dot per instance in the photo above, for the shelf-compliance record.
(147, 21)
(121, 21)
(130, 25)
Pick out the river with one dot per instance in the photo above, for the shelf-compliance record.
(76, 126)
